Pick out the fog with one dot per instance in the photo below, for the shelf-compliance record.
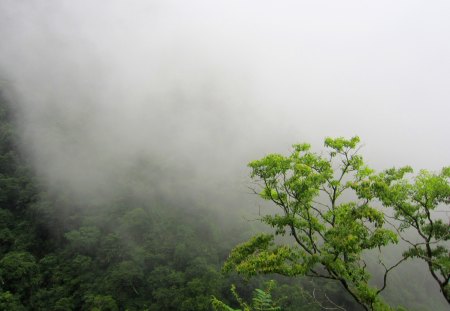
(200, 88)
(185, 93)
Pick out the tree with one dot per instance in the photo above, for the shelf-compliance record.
(100, 303)
(415, 203)
(330, 233)
(19, 274)
(10, 302)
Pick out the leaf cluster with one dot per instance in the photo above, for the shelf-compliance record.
(331, 233)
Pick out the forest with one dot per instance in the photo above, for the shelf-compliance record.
(124, 254)
(131, 253)
(224, 155)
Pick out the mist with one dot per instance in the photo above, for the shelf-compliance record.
(184, 94)
(202, 88)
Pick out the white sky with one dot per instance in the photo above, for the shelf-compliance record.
(202, 84)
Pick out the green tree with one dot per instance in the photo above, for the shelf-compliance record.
(9, 302)
(19, 274)
(330, 234)
(100, 303)
(416, 202)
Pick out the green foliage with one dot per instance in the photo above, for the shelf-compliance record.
(100, 303)
(18, 273)
(84, 240)
(125, 254)
(330, 235)
(10, 302)
(415, 202)
(261, 301)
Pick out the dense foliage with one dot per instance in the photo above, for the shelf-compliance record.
(414, 201)
(127, 254)
(262, 301)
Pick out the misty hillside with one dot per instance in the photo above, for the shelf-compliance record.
(127, 129)
(133, 251)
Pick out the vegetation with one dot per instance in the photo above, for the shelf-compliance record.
(326, 204)
(413, 202)
(262, 301)
(129, 252)
(123, 255)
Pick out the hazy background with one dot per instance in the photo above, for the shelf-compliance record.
(203, 87)
(185, 93)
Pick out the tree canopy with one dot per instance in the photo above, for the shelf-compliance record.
(327, 203)
(415, 202)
